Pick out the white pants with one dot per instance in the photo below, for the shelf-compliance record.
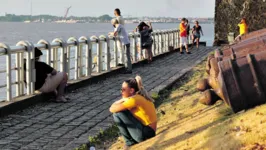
(121, 52)
(52, 82)
(183, 41)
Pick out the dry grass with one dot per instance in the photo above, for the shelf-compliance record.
(188, 124)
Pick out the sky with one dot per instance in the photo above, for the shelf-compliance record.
(95, 8)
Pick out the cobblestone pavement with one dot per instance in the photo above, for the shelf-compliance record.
(51, 126)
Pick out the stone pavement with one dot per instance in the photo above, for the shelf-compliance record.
(52, 126)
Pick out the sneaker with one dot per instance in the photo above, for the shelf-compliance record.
(61, 99)
(188, 52)
(181, 52)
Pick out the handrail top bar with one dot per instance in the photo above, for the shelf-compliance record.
(72, 41)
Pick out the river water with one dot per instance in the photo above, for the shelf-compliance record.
(11, 33)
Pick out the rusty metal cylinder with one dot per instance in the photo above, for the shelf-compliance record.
(243, 81)
(242, 49)
(208, 66)
(209, 97)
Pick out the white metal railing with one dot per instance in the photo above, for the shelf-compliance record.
(81, 53)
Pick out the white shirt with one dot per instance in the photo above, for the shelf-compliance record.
(120, 20)
(122, 34)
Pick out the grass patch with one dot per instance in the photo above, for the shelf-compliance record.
(185, 124)
(102, 140)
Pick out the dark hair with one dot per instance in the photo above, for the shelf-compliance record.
(183, 19)
(186, 21)
(141, 25)
(132, 83)
(197, 22)
(117, 10)
(37, 52)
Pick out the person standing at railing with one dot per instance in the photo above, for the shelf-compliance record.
(196, 30)
(120, 31)
(188, 29)
(183, 36)
(146, 39)
(121, 21)
(135, 114)
(48, 79)
(243, 29)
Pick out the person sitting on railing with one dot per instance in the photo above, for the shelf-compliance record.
(120, 31)
(135, 113)
(48, 79)
(146, 39)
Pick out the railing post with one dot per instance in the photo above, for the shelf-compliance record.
(107, 51)
(160, 43)
(178, 37)
(134, 46)
(18, 68)
(173, 34)
(21, 80)
(48, 47)
(154, 43)
(168, 39)
(30, 65)
(8, 71)
(115, 51)
(63, 46)
(99, 53)
(77, 57)
(88, 55)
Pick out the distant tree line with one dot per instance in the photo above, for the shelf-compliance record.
(22, 18)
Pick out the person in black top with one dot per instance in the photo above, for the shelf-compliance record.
(48, 79)
(146, 39)
(188, 29)
(196, 33)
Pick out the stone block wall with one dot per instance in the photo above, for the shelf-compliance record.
(228, 14)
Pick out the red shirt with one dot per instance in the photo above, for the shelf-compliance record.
(183, 31)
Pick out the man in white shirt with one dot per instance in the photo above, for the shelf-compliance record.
(121, 21)
(122, 34)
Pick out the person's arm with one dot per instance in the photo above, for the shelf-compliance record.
(117, 106)
(150, 26)
(121, 105)
(201, 31)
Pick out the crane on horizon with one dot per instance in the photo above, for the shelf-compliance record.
(67, 11)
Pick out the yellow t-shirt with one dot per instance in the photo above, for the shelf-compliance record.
(243, 28)
(142, 109)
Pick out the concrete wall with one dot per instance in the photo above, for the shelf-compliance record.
(228, 14)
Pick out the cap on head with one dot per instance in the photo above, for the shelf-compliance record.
(38, 52)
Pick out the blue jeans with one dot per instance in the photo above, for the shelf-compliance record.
(132, 130)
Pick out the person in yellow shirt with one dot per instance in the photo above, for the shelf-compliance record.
(135, 113)
(243, 29)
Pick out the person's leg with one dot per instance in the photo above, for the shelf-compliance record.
(120, 51)
(129, 127)
(197, 42)
(181, 44)
(61, 88)
(150, 54)
(193, 41)
(129, 64)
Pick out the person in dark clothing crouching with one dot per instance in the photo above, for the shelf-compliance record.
(146, 39)
(48, 79)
